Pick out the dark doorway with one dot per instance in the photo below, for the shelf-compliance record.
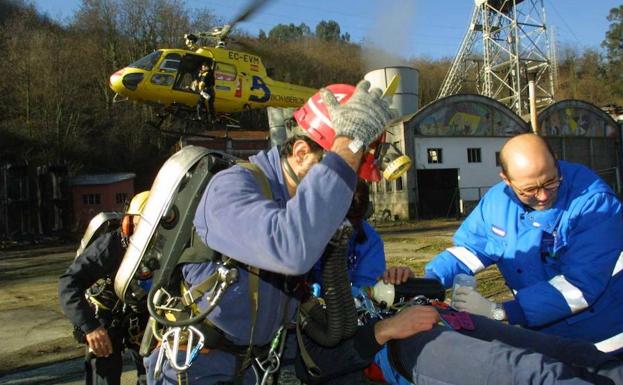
(438, 193)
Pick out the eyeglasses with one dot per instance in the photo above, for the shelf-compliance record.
(534, 190)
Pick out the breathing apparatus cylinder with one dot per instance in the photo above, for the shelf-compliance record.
(338, 320)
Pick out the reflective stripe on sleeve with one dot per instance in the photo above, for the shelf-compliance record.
(467, 257)
(611, 344)
(573, 296)
(619, 265)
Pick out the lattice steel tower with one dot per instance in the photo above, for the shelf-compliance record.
(506, 45)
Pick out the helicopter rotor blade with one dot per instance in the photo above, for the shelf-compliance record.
(253, 7)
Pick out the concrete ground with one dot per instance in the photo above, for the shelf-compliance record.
(70, 372)
(37, 346)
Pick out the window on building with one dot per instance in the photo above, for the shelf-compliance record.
(473, 155)
(91, 199)
(399, 184)
(388, 186)
(497, 158)
(434, 155)
(121, 198)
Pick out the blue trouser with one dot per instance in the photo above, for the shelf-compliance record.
(498, 354)
(494, 354)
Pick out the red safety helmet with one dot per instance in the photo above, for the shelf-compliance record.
(315, 119)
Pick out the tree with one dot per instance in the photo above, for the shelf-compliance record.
(289, 32)
(328, 31)
(613, 43)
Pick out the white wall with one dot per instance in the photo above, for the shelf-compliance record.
(454, 155)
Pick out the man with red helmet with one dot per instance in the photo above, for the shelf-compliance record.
(312, 183)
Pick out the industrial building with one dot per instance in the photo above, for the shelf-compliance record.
(454, 143)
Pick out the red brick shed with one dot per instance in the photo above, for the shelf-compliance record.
(92, 194)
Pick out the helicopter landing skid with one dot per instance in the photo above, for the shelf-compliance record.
(119, 98)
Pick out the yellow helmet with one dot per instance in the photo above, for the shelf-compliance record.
(137, 204)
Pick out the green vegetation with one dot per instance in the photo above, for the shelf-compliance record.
(56, 106)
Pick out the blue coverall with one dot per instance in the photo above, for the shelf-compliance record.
(563, 264)
(285, 235)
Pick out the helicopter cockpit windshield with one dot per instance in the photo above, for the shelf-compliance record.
(147, 62)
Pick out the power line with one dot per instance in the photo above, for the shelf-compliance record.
(565, 23)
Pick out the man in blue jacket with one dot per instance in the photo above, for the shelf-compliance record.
(555, 231)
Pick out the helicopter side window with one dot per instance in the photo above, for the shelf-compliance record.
(147, 62)
(224, 71)
(171, 62)
(162, 79)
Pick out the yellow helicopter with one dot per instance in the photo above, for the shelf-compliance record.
(164, 78)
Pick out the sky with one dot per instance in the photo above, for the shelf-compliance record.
(409, 28)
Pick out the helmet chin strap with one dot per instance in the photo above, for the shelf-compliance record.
(289, 171)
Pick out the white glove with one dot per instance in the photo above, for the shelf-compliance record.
(469, 300)
(362, 117)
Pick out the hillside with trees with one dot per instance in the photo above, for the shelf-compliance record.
(57, 108)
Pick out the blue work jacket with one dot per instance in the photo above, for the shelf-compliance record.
(283, 236)
(563, 264)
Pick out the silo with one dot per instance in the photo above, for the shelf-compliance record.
(405, 99)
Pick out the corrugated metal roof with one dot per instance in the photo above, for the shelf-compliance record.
(96, 179)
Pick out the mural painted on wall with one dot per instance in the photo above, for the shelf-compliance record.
(473, 117)
(576, 118)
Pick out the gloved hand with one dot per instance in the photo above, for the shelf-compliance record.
(99, 342)
(363, 117)
(469, 300)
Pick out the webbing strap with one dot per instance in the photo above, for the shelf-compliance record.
(260, 178)
(254, 299)
(190, 296)
(198, 247)
(254, 272)
(198, 252)
(311, 366)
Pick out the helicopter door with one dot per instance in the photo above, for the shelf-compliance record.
(188, 69)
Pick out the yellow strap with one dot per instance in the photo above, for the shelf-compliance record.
(254, 272)
(260, 178)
